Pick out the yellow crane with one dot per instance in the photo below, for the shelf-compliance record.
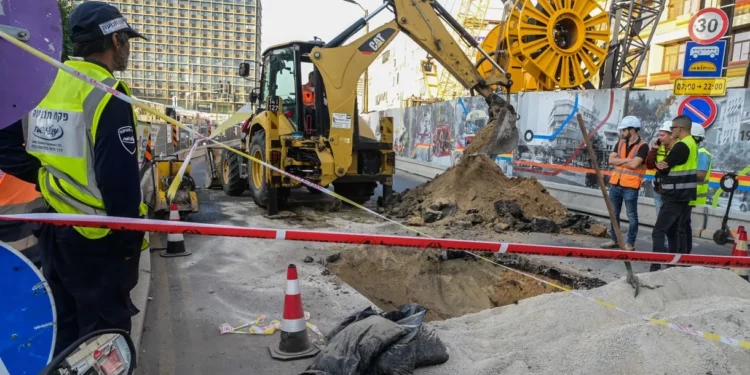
(471, 15)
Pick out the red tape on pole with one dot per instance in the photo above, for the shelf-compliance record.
(148, 225)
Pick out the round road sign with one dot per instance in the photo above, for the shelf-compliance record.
(28, 324)
(700, 109)
(708, 25)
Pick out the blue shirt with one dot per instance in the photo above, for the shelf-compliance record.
(704, 161)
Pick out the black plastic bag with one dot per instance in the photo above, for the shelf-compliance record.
(369, 343)
(428, 348)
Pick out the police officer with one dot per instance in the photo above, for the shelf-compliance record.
(82, 142)
(679, 183)
(703, 175)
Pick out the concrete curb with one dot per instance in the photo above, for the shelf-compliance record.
(139, 295)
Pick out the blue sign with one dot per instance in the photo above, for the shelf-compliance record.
(704, 60)
(700, 109)
(27, 315)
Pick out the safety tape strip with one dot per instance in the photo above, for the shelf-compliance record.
(172, 191)
(146, 108)
(116, 223)
(740, 262)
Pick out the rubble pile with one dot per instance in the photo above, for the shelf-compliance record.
(476, 192)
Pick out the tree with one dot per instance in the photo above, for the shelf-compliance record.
(65, 8)
(731, 158)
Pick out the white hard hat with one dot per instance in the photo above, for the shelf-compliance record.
(666, 126)
(697, 130)
(629, 122)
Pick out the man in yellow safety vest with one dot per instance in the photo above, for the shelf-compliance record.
(703, 175)
(679, 183)
(657, 153)
(81, 144)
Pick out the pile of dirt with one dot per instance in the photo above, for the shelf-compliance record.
(481, 139)
(476, 191)
(391, 277)
(564, 334)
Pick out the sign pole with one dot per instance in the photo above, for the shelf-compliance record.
(728, 7)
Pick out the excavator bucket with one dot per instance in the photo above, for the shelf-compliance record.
(500, 135)
(504, 137)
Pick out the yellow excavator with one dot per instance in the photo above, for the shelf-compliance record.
(331, 143)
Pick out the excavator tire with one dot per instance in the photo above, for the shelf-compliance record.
(358, 192)
(256, 176)
(255, 172)
(231, 178)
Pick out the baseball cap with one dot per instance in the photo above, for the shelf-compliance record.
(92, 20)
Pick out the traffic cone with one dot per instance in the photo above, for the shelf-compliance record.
(295, 343)
(175, 241)
(740, 250)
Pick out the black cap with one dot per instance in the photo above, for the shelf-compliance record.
(92, 20)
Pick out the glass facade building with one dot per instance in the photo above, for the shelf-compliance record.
(194, 51)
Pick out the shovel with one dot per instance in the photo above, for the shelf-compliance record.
(632, 280)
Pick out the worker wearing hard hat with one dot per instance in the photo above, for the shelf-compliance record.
(628, 159)
(657, 153)
(679, 182)
(703, 175)
(80, 146)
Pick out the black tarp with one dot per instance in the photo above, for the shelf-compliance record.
(369, 343)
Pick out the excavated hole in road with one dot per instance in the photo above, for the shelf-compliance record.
(391, 277)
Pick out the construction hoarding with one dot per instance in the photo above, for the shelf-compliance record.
(551, 147)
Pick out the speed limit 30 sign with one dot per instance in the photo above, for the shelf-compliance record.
(708, 25)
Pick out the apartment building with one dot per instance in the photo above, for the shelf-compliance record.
(194, 51)
(666, 57)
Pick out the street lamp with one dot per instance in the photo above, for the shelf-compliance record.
(365, 91)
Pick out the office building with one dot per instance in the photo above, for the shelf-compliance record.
(194, 51)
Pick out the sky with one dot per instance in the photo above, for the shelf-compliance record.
(286, 20)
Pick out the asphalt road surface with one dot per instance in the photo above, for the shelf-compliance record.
(234, 280)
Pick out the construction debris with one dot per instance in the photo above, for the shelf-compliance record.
(476, 192)
(564, 334)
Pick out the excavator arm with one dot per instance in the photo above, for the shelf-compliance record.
(340, 67)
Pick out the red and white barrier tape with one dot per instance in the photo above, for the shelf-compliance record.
(148, 225)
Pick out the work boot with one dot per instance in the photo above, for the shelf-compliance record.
(609, 245)
(629, 247)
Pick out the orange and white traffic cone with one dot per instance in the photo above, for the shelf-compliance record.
(740, 250)
(295, 343)
(175, 241)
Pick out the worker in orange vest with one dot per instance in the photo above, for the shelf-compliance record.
(308, 92)
(628, 159)
(19, 197)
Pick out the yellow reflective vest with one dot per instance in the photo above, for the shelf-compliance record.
(61, 132)
(681, 182)
(702, 189)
